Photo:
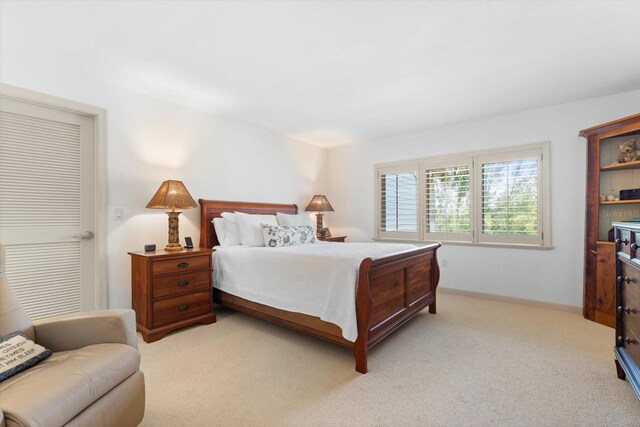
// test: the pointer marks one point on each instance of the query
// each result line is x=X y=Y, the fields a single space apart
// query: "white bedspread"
x=316 y=279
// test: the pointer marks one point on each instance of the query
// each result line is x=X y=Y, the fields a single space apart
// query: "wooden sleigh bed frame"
x=390 y=290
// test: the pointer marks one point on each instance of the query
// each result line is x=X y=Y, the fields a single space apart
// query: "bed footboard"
x=391 y=290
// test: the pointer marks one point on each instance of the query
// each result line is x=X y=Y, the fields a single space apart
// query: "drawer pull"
x=634 y=246
x=183 y=307
x=624 y=242
x=625 y=340
x=183 y=264
x=183 y=283
x=624 y=279
x=625 y=309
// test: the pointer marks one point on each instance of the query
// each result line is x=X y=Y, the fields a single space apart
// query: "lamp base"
x=174 y=239
x=319 y=225
x=173 y=247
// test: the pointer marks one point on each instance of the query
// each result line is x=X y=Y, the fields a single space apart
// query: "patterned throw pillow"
x=287 y=235
x=18 y=353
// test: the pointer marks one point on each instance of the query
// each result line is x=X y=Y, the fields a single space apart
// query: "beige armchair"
x=93 y=377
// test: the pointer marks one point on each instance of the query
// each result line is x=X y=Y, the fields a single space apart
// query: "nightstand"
x=333 y=239
x=171 y=290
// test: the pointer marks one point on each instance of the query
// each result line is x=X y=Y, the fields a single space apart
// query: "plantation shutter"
x=448 y=200
x=511 y=207
x=498 y=196
x=398 y=203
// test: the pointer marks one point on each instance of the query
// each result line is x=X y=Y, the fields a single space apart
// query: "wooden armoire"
x=605 y=180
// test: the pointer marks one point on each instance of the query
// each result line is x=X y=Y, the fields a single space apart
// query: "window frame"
x=541 y=240
x=396 y=169
x=440 y=164
x=534 y=240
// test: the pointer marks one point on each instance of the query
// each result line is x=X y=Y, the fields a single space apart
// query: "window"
x=491 y=197
x=398 y=202
x=448 y=201
x=510 y=202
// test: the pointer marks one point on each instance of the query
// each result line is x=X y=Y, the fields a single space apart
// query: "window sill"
x=447 y=243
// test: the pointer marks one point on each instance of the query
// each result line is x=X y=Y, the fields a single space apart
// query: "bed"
x=390 y=289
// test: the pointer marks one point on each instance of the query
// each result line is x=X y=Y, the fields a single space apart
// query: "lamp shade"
x=319 y=203
x=172 y=195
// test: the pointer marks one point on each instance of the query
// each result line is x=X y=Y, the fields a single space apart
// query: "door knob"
x=85 y=235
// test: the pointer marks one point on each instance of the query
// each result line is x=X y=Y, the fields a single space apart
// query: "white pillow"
x=249 y=229
x=218 y=225
x=231 y=235
x=299 y=219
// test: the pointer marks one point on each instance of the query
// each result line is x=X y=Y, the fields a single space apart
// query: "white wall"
x=553 y=275
x=149 y=141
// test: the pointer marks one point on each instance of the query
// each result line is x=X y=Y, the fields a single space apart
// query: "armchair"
x=91 y=379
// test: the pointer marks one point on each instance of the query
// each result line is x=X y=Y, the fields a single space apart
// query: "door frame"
x=100 y=176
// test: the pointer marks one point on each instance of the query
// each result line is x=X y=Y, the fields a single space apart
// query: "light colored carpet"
x=475 y=363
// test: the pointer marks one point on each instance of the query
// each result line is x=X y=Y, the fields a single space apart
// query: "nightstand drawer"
x=169 y=285
x=179 y=265
x=181 y=308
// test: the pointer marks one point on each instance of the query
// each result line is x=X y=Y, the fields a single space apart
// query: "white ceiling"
x=332 y=73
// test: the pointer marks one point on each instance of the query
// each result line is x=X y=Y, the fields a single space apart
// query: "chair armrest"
x=73 y=331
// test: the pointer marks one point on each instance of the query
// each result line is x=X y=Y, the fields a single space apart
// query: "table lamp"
x=319 y=204
x=172 y=195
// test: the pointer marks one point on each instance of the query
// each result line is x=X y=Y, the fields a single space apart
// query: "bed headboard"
x=210 y=209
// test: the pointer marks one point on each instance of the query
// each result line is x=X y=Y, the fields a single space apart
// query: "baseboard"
x=512 y=300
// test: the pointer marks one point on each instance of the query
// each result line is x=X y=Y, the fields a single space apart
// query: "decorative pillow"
x=231 y=234
x=249 y=227
x=299 y=219
x=287 y=235
x=18 y=353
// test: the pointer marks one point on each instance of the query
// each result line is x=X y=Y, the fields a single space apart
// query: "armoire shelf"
x=621 y=166
x=620 y=202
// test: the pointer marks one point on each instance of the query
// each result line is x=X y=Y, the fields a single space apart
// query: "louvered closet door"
x=47 y=207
